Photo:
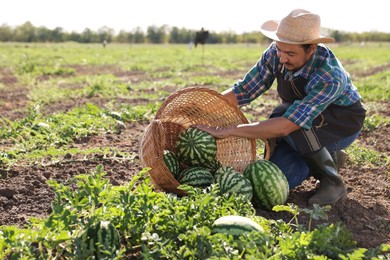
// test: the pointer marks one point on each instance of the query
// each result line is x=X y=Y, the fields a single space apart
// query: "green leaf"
x=318 y=212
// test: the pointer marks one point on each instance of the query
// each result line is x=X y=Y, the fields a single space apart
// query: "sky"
x=218 y=16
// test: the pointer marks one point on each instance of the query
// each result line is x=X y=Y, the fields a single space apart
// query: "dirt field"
x=25 y=193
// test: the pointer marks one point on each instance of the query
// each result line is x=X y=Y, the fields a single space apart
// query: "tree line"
x=155 y=35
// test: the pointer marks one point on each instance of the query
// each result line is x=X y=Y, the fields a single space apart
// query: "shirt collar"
x=308 y=68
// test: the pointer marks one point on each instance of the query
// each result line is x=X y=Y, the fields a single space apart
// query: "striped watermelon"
x=235 y=225
x=270 y=186
x=195 y=147
x=196 y=176
x=224 y=169
x=172 y=163
x=101 y=240
x=213 y=166
x=234 y=182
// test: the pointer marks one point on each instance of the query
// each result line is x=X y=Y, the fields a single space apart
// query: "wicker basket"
x=194 y=105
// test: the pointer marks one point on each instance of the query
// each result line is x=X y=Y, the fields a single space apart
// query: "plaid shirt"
x=328 y=83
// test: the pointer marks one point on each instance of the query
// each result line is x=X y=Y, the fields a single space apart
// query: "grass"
x=375 y=87
x=36 y=137
x=162 y=65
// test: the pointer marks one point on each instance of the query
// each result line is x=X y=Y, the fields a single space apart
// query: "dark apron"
x=333 y=124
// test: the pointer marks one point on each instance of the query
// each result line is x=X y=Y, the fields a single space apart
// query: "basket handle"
x=267 y=149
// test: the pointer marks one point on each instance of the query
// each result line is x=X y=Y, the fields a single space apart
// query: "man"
x=320 y=114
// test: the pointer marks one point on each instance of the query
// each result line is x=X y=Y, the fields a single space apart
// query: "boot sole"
x=342 y=197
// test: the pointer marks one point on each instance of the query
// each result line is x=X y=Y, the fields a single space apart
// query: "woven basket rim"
x=212 y=92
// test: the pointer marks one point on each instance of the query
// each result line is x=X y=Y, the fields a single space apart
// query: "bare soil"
x=24 y=192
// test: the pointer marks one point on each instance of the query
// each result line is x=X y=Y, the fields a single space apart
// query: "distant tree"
x=25 y=33
x=186 y=35
x=139 y=36
x=214 y=38
x=155 y=34
x=253 y=37
x=88 y=36
x=336 y=35
x=57 y=35
x=182 y=35
x=229 y=37
x=122 y=37
x=42 y=34
x=375 y=36
x=105 y=34
x=163 y=34
x=175 y=36
x=74 y=36
x=6 y=33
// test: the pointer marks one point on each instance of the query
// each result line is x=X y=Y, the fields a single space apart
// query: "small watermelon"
x=235 y=225
x=235 y=183
x=270 y=185
x=101 y=240
x=196 y=176
x=195 y=147
x=213 y=166
x=172 y=163
x=224 y=169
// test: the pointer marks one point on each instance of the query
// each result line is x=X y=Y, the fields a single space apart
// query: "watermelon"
x=172 y=163
x=224 y=169
x=270 y=185
x=196 y=176
x=195 y=147
x=235 y=183
x=100 y=240
x=235 y=225
x=213 y=166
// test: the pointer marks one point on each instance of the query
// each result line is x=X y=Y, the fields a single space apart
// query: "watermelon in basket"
x=186 y=107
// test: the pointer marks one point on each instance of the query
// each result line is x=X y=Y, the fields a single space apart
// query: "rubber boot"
x=324 y=169
x=339 y=157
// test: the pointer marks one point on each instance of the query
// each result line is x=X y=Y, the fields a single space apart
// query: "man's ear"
x=313 y=48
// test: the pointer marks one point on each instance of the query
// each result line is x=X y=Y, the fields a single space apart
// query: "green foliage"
x=375 y=87
x=330 y=241
x=317 y=212
x=158 y=225
x=374 y=122
x=359 y=155
x=37 y=65
x=35 y=136
x=27 y=32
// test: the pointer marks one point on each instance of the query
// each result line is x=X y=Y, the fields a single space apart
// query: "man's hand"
x=217 y=132
x=270 y=128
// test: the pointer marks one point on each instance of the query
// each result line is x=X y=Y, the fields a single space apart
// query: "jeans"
x=293 y=165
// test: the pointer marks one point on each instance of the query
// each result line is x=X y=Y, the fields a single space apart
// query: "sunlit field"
x=73 y=115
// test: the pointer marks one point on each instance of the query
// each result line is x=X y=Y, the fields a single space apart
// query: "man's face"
x=294 y=56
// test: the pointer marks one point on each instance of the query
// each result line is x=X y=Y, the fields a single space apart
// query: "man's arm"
x=270 y=128
x=229 y=94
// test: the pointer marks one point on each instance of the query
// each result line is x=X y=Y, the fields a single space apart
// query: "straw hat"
x=299 y=27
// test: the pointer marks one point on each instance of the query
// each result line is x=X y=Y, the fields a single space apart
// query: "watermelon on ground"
x=196 y=176
x=172 y=163
x=100 y=240
x=195 y=147
x=224 y=169
x=270 y=185
x=213 y=166
x=233 y=182
x=235 y=225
